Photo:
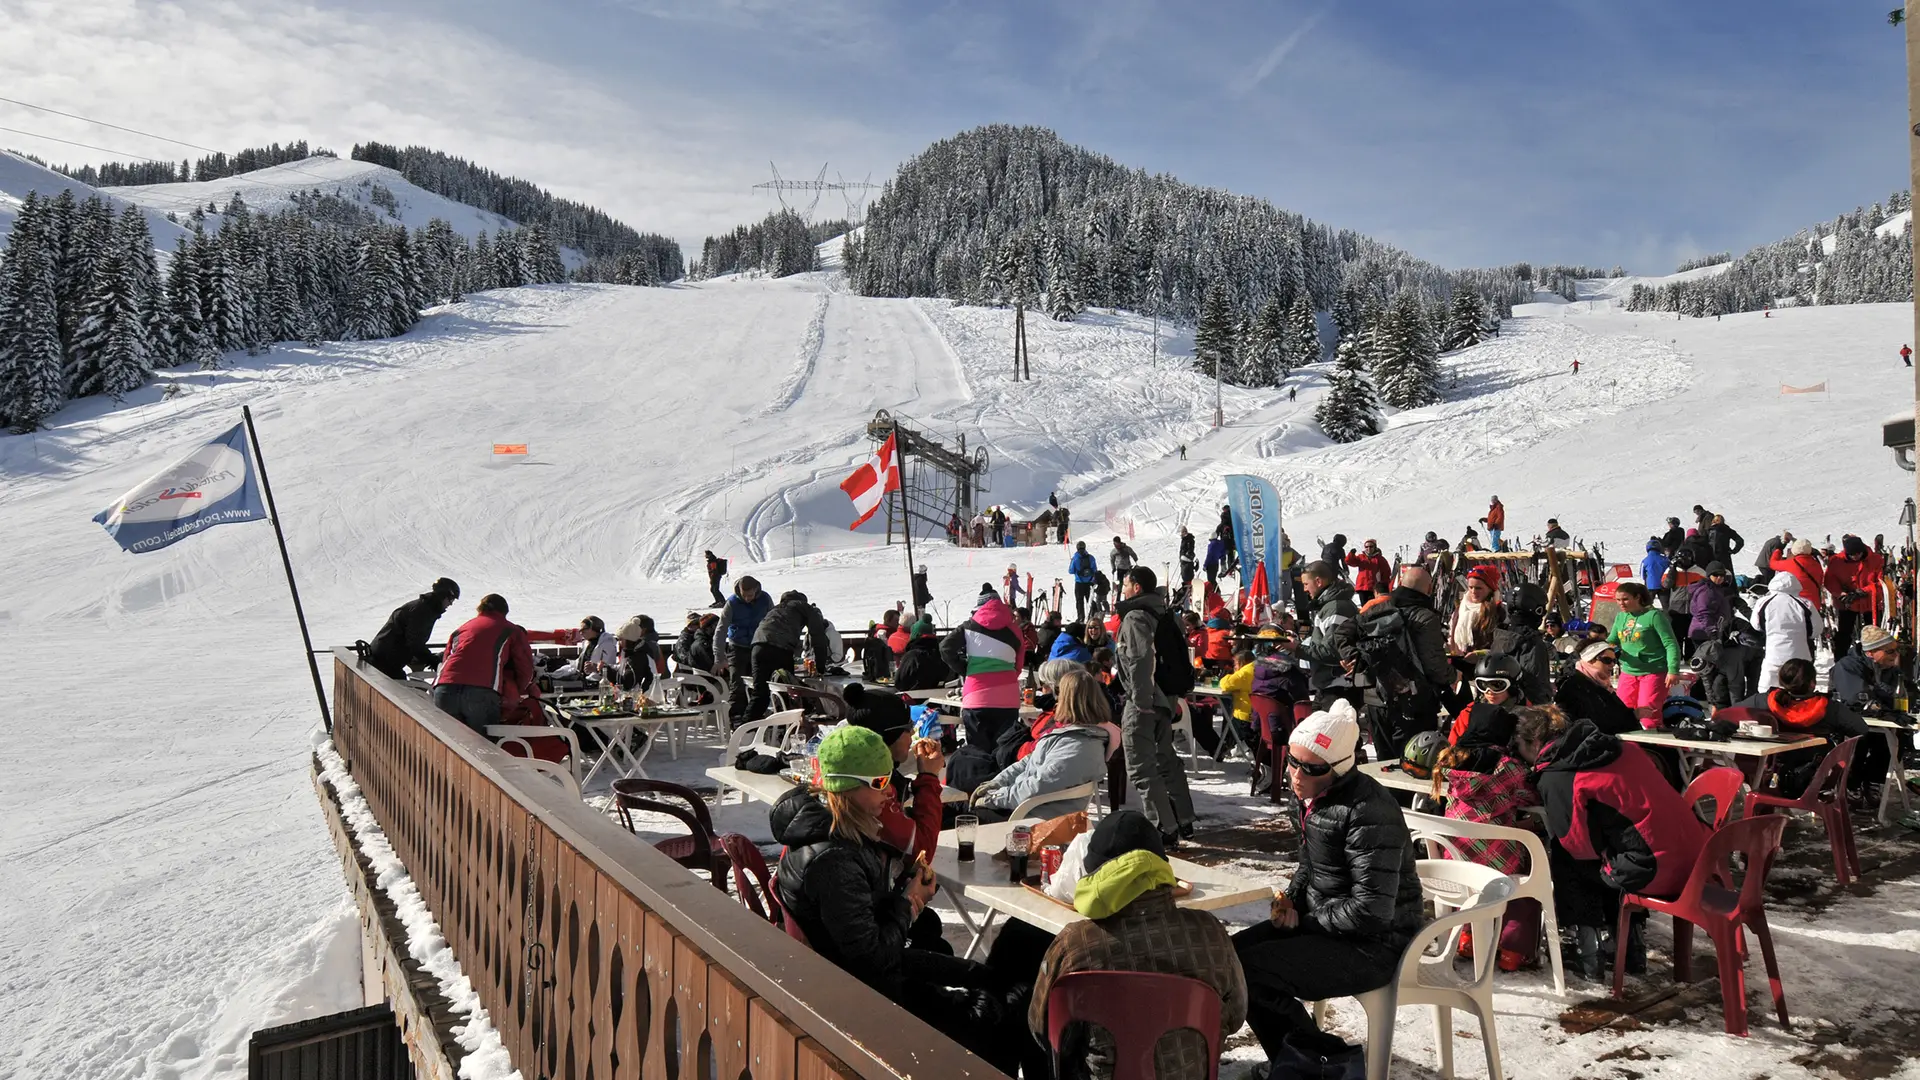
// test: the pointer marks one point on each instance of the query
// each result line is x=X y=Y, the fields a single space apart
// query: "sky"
x=1630 y=132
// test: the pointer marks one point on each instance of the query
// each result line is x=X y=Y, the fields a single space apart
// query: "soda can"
x=1050 y=862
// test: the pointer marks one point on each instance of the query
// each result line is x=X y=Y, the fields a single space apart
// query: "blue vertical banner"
x=1256 y=530
x=214 y=485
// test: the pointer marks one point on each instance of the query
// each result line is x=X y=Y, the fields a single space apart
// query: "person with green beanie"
x=921 y=666
x=856 y=898
x=1133 y=925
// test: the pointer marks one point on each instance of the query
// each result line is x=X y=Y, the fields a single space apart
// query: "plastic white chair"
x=719 y=708
x=756 y=736
x=1426 y=975
x=1082 y=792
x=1537 y=884
x=518 y=734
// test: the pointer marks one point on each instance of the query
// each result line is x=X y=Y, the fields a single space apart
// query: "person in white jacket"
x=1787 y=622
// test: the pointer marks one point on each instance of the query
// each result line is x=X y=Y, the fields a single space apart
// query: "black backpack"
x=1172 y=666
x=1386 y=651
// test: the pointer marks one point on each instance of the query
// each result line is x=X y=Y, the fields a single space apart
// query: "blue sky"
x=1632 y=132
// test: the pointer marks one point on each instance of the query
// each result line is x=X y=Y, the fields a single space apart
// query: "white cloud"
x=230 y=75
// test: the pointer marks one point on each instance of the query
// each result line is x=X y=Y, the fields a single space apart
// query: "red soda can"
x=1050 y=862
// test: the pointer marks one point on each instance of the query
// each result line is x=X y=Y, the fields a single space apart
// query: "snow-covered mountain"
x=375 y=187
x=18 y=177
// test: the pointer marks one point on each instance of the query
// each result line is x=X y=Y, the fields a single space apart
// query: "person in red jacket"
x=1372 y=576
x=1799 y=560
x=1853 y=577
x=1496 y=519
x=1617 y=827
x=487 y=669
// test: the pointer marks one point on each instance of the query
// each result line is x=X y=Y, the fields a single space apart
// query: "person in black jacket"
x=1588 y=694
x=922 y=596
x=402 y=640
x=1868 y=681
x=921 y=666
x=716 y=569
x=1724 y=541
x=1399 y=708
x=1521 y=639
x=1332 y=651
x=1671 y=540
x=857 y=898
x=1354 y=902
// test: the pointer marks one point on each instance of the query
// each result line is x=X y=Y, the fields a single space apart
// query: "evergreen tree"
x=1303 y=339
x=1213 y=337
x=1268 y=350
x=32 y=369
x=1347 y=414
x=1466 y=321
x=1403 y=365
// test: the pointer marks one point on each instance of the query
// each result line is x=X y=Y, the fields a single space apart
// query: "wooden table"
x=984 y=881
x=769 y=788
x=1896 y=771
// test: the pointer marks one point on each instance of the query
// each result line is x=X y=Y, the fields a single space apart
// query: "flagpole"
x=906 y=511
x=313 y=667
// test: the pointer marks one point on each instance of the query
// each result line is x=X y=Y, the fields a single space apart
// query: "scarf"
x=1799 y=715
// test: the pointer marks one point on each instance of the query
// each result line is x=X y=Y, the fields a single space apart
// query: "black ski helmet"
x=1496 y=665
x=1529 y=597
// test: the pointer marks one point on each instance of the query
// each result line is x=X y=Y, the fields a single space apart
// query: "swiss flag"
x=876 y=476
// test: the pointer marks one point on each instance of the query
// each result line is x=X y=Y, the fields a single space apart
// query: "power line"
x=88 y=146
x=103 y=123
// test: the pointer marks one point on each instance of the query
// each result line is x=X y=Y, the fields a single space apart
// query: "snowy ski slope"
x=18 y=177
x=168 y=885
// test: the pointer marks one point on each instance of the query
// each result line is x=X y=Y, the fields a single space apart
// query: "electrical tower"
x=853 y=192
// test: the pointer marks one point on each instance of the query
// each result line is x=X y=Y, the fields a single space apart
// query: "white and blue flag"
x=214 y=485
x=1256 y=530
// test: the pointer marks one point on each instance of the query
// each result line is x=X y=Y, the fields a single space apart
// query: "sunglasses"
x=1492 y=686
x=1321 y=768
x=877 y=783
x=1609 y=660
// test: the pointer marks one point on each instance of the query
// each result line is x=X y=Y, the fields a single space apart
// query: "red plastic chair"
x=1136 y=1008
x=1714 y=902
x=1826 y=798
x=1722 y=785
x=752 y=881
x=701 y=849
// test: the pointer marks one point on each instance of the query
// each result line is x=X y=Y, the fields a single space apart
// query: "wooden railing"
x=597 y=957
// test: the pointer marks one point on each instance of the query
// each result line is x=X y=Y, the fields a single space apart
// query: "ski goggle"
x=877 y=783
x=1312 y=768
x=1492 y=686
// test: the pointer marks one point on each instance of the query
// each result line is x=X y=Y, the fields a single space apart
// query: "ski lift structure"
x=937 y=482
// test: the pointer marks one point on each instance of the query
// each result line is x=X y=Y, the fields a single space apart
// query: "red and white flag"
x=869 y=484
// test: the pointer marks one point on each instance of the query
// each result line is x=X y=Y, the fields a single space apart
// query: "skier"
x=1082 y=567
x=1188 y=564
x=1557 y=536
x=1121 y=558
x=716 y=569
x=922 y=596
x=1906 y=355
x=1053 y=499
x=1576 y=367
x=1496 y=521
x=1183 y=451
x=1060 y=523
x=1232 y=563
x=1291 y=391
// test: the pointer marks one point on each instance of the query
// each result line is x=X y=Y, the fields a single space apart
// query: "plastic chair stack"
x=1714 y=902
x=1135 y=1008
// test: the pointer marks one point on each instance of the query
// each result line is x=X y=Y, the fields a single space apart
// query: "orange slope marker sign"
x=509 y=449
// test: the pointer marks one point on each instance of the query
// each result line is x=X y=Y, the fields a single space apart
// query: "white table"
x=984 y=881
x=1896 y=772
x=769 y=788
x=1759 y=751
x=613 y=732
x=1394 y=778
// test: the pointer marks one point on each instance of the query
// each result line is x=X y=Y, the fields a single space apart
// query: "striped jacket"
x=489 y=651
x=990 y=653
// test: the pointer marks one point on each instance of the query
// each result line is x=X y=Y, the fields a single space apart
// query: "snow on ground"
x=18 y=177
x=1616 y=290
x=168 y=885
x=273 y=188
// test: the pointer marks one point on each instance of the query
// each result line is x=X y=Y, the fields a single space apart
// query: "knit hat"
x=987 y=592
x=1874 y=639
x=1716 y=567
x=1594 y=649
x=1119 y=832
x=632 y=630
x=849 y=753
x=878 y=711
x=922 y=626
x=1486 y=575
x=1802 y=546
x=1331 y=735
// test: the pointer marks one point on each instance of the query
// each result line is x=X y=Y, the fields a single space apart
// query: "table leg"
x=980 y=937
x=960 y=909
x=605 y=758
x=1896 y=779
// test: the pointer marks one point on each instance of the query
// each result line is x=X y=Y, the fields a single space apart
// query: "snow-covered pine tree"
x=1406 y=377
x=480 y=268
x=116 y=314
x=84 y=252
x=1268 y=350
x=1466 y=320
x=1348 y=414
x=1349 y=313
x=1213 y=336
x=32 y=372
x=548 y=269
x=1303 y=340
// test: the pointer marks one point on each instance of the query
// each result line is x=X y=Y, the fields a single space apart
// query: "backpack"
x=1386 y=651
x=1172 y=666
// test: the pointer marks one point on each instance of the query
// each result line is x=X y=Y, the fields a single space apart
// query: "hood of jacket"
x=1119 y=882
x=1404 y=598
x=993 y=614
x=799 y=819
x=1784 y=584
x=1581 y=746
x=1107 y=732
